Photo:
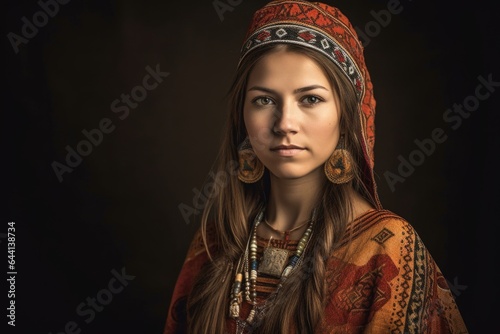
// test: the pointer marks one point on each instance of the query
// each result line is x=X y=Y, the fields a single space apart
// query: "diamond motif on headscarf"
x=307 y=36
x=281 y=32
x=325 y=44
x=357 y=83
x=339 y=54
x=263 y=36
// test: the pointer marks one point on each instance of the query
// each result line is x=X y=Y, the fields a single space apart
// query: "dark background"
x=119 y=207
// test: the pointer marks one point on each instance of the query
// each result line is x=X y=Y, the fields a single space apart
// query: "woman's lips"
x=287 y=151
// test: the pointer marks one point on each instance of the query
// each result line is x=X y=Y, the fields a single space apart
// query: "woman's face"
x=291 y=114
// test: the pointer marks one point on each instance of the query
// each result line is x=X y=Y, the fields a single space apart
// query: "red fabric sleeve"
x=177 y=314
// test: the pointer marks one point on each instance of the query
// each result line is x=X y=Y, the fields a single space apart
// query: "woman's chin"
x=292 y=174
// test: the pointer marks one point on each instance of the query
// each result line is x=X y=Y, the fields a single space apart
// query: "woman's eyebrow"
x=308 y=88
x=296 y=91
x=264 y=89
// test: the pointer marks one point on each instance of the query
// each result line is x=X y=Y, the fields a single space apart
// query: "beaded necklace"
x=248 y=267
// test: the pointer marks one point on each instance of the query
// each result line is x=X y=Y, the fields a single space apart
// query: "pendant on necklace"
x=273 y=261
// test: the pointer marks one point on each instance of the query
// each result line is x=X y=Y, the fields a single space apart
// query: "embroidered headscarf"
x=325 y=29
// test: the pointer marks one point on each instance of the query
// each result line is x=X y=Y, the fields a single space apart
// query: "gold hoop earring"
x=250 y=168
x=339 y=167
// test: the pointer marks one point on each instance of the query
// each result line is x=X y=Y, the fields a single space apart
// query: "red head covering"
x=325 y=29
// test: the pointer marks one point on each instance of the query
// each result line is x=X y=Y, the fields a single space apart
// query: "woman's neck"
x=291 y=201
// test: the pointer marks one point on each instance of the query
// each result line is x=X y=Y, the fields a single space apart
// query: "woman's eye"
x=263 y=101
x=311 y=99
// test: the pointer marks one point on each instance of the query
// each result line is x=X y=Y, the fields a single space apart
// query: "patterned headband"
x=292 y=33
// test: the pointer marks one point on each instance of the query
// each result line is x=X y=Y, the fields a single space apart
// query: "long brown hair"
x=232 y=206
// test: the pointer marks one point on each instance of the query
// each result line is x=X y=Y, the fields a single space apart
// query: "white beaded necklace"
x=275 y=262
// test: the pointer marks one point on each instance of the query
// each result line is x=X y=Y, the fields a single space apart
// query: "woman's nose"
x=286 y=120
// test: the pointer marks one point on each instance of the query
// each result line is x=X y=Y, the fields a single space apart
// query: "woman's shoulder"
x=379 y=219
x=381 y=228
x=199 y=243
x=379 y=215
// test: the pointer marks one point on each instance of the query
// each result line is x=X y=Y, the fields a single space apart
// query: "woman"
x=296 y=240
